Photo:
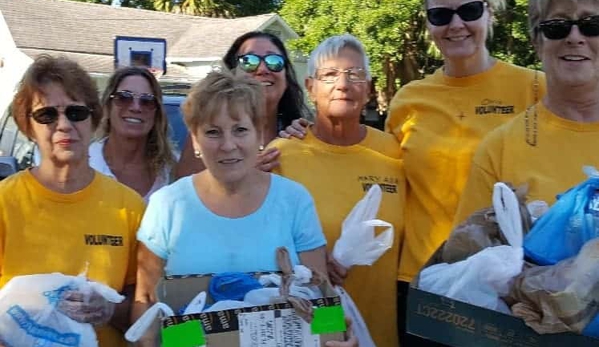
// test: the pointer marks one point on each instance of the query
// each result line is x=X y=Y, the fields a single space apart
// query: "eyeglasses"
x=468 y=12
x=251 y=62
x=147 y=102
x=558 y=29
x=331 y=75
x=50 y=114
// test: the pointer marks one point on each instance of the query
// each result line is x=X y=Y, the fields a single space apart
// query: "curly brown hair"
x=159 y=149
x=45 y=69
x=241 y=94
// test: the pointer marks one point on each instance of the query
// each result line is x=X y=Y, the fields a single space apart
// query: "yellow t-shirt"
x=551 y=167
x=338 y=177
x=42 y=231
x=439 y=121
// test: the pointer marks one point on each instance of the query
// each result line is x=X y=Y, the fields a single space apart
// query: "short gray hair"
x=330 y=48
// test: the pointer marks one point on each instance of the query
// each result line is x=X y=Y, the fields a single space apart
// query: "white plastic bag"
x=359 y=328
x=143 y=323
x=485 y=277
x=28 y=314
x=358 y=244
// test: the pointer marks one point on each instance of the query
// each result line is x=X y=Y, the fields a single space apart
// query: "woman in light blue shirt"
x=232 y=216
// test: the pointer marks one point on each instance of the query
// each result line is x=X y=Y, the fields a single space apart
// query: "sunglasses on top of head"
x=251 y=62
x=50 y=114
x=558 y=29
x=468 y=12
x=125 y=98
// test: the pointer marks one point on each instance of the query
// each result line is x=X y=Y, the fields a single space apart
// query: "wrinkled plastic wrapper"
x=481 y=231
x=485 y=277
x=562 y=297
x=572 y=221
x=29 y=314
x=358 y=244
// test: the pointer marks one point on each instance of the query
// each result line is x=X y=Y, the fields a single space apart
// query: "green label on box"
x=188 y=334
x=330 y=319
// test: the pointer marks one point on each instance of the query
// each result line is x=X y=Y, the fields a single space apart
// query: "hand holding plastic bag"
x=86 y=307
x=486 y=276
x=29 y=315
x=358 y=244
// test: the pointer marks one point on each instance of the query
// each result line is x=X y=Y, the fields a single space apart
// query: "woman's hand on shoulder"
x=268 y=159
x=297 y=129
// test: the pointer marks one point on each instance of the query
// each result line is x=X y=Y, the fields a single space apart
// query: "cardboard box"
x=459 y=324
x=222 y=328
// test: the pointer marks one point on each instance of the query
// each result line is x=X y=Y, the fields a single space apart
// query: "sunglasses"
x=50 y=114
x=251 y=62
x=558 y=29
x=468 y=12
x=147 y=102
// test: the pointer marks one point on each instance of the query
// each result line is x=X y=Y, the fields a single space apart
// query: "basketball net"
x=156 y=72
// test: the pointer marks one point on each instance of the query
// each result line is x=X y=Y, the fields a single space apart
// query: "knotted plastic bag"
x=482 y=279
x=29 y=314
x=572 y=221
x=358 y=244
x=481 y=231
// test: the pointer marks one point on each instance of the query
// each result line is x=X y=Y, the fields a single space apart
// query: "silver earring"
x=261 y=148
x=197 y=154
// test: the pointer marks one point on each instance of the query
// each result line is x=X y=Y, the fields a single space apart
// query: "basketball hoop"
x=144 y=52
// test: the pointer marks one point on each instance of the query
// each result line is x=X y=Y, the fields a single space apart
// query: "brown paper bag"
x=559 y=298
x=481 y=230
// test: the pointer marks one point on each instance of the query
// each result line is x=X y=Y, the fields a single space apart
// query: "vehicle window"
x=14 y=143
x=177 y=125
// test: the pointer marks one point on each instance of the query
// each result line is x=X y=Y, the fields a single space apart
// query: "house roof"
x=85 y=32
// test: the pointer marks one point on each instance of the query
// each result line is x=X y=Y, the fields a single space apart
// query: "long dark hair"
x=292 y=104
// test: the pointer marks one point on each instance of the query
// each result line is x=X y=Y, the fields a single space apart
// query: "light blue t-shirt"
x=180 y=229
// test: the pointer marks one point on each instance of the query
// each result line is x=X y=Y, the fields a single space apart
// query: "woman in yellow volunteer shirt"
x=547 y=145
x=62 y=216
x=440 y=120
x=338 y=160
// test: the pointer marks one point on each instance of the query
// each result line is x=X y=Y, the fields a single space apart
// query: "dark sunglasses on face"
x=558 y=29
x=49 y=114
x=125 y=99
x=251 y=62
x=468 y=12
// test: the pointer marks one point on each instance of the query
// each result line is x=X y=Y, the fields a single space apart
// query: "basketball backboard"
x=140 y=51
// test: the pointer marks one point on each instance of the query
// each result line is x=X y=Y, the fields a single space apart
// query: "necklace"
x=532 y=139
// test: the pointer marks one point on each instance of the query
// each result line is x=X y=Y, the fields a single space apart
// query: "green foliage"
x=394 y=35
x=511 y=40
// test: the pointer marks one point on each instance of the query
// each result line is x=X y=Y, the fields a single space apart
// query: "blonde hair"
x=240 y=94
x=159 y=150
